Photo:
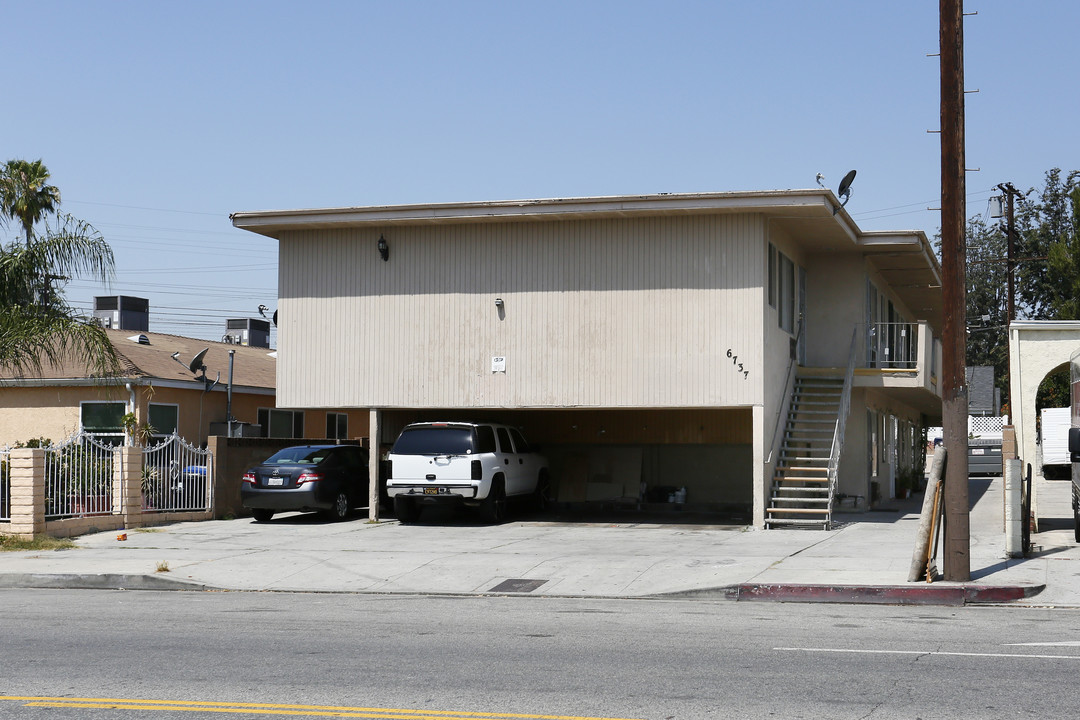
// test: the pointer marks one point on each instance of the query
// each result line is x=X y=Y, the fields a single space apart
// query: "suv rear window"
x=435 y=441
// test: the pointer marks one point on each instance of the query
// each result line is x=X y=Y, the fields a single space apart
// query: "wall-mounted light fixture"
x=498 y=302
x=384 y=249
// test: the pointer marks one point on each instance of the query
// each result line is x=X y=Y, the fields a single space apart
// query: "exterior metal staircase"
x=804 y=485
x=802 y=493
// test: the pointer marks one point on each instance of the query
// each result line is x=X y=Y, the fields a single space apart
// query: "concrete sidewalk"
x=866 y=559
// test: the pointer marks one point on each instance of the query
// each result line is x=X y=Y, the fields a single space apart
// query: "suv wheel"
x=405 y=510
x=542 y=494
x=495 y=503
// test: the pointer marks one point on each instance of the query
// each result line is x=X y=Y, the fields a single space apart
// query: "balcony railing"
x=892 y=346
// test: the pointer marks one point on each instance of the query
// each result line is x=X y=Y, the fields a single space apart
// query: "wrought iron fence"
x=892 y=345
x=79 y=478
x=176 y=477
x=5 y=484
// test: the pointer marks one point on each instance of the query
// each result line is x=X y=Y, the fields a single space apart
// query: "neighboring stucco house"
x=163 y=392
x=647 y=343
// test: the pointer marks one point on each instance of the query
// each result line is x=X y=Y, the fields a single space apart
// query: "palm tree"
x=36 y=323
x=24 y=194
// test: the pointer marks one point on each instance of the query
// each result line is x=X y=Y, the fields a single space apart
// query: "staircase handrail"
x=841 y=424
x=784 y=394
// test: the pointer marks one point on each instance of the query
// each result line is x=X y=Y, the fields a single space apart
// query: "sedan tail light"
x=249 y=478
x=308 y=477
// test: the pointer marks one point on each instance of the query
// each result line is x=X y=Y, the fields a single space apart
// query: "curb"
x=884 y=594
x=945 y=595
x=88 y=581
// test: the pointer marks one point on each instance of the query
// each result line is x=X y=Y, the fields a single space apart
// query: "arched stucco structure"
x=1036 y=347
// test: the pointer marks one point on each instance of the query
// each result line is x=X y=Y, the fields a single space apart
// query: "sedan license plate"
x=275 y=481
x=431 y=491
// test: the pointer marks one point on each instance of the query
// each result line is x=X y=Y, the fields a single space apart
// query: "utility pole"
x=957 y=546
x=1010 y=231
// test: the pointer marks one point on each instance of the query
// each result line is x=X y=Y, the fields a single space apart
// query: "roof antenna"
x=845 y=190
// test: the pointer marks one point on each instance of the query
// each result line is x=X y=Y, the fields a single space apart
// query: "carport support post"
x=761 y=483
x=373 y=464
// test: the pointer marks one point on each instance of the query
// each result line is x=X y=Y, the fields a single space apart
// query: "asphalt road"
x=212 y=655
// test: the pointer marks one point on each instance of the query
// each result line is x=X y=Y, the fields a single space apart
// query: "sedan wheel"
x=340 y=511
x=262 y=515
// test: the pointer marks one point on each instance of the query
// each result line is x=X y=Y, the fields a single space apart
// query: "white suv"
x=474 y=464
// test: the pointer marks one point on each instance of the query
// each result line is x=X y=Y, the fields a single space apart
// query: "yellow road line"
x=276 y=709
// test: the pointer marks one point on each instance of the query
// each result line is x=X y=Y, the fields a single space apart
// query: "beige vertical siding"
x=600 y=313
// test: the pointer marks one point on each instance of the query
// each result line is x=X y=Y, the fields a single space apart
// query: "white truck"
x=479 y=465
x=1054 y=424
x=1074 y=440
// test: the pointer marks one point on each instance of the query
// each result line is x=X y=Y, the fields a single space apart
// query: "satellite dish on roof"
x=275 y=318
x=844 y=192
x=196 y=363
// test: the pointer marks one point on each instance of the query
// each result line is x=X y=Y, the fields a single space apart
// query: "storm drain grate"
x=517 y=585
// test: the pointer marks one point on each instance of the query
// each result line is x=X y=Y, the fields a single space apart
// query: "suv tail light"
x=249 y=478
x=308 y=477
x=477 y=471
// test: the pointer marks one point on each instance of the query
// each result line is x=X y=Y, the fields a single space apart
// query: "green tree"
x=1049 y=227
x=36 y=323
x=25 y=194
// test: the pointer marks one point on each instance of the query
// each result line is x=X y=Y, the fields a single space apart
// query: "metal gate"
x=5 y=484
x=176 y=477
x=79 y=478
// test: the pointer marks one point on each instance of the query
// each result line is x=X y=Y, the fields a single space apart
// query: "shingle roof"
x=252 y=366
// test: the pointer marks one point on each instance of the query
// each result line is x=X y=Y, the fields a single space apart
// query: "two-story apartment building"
x=708 y=342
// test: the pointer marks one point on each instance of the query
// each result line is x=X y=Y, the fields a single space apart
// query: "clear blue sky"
x=159 y=119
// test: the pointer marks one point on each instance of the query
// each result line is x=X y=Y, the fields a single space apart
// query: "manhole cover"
x=518 y=585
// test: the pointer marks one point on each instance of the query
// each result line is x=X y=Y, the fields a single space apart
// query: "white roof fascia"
x=532 y=209
x=1044 y=325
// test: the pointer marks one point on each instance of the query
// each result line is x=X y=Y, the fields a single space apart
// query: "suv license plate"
x=431 y=491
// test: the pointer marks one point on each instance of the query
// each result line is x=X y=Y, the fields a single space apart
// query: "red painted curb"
x=926 y=594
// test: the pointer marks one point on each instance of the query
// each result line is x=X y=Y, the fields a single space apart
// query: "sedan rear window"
x=297 y=456
x=435 y=441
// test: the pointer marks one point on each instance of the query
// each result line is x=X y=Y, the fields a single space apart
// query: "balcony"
x=904 y=360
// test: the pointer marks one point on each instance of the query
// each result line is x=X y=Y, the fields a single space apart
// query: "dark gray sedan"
x=331 y=479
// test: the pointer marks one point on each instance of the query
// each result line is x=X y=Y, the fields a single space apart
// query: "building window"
x=104 y=420
x=281 y=423
x=337 y=426
x=163 y=419
x=787 y=294
x=772 y=275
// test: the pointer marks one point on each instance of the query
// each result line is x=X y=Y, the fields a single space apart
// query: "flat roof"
x=903 y=257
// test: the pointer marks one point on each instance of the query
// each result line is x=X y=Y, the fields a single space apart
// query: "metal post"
x=228 y=397
x=956 y=551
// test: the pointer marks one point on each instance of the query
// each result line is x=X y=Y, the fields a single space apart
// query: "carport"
x=628 y=458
